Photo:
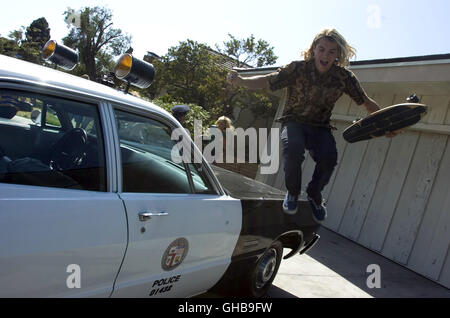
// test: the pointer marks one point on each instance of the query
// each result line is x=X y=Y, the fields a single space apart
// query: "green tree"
x=96 y=39
x=38 y=33
x=190 y=73
x=193 y=73
x=17 y=35
x=248 y=51
x=27 y=43
x=9 y=47
x=256 y=53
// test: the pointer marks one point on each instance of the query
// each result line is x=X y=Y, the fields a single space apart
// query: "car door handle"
x=145 y=216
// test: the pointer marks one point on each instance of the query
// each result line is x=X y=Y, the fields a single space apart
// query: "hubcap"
x=266 y=268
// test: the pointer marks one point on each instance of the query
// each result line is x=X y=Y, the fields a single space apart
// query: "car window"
x=51 y=142
x=201 y=183
x=19 y=110
x=52 y=118
x=147 y=166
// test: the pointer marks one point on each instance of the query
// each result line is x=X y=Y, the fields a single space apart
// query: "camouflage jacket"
x=312 y=96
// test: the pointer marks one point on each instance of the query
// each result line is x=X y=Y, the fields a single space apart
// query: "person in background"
x=180 y=112
x=223 y=123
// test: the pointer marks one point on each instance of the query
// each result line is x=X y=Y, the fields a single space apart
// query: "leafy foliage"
x=96 y=40
x=196 y=113
x=9 y=47
x=189 y=73
x=192 y=73
x=249 y=51
x=27 y=43
x=38 y=33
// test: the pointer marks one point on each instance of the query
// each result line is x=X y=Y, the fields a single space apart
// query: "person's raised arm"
x=370 y=105
x=254 y=82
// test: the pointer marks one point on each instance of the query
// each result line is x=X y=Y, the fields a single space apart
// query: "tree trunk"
x=89 y=62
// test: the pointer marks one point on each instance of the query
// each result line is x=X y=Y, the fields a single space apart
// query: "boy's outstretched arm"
x=254 y=82
x=370 y=105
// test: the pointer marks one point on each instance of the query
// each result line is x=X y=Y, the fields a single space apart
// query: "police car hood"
x=241 y=187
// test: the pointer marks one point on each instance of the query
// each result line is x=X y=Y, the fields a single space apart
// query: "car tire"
x=264 y=272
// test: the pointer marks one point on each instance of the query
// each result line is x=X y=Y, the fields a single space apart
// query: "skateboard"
x=388 y=119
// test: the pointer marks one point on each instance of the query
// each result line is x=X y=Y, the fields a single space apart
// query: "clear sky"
x=376 y=28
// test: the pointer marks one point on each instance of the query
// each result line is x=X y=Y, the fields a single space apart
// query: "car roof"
x=17 y=70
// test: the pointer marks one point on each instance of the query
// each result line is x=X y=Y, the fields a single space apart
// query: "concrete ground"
x=337 y=267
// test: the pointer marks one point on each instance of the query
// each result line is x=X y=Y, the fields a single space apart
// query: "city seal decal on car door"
x=174 y=254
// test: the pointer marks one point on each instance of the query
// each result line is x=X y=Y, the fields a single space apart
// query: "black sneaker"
x=319 y=211
x=290 y=203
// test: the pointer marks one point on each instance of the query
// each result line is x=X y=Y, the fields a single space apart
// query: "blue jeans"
x=320 y=143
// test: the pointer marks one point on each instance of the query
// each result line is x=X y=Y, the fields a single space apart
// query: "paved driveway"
x=337 y=267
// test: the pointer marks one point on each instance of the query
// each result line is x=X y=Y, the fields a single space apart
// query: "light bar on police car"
x=60 y=55
x=134 y=71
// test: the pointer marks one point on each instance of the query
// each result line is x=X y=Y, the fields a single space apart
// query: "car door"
x=63 y=232
x=182 y=231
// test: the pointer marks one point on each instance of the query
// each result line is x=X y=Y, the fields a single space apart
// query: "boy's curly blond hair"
x=345 y=50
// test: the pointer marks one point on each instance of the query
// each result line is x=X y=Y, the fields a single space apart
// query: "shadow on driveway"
x=338 y=268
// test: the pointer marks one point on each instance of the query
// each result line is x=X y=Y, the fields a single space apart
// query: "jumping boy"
x=313 y=87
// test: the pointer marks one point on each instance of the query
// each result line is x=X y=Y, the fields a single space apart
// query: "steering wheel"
x=69 y=151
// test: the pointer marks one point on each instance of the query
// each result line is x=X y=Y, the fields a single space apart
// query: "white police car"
x=92 y=205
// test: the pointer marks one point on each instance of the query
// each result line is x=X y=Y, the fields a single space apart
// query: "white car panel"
x=44 y=230
x=211 y=225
